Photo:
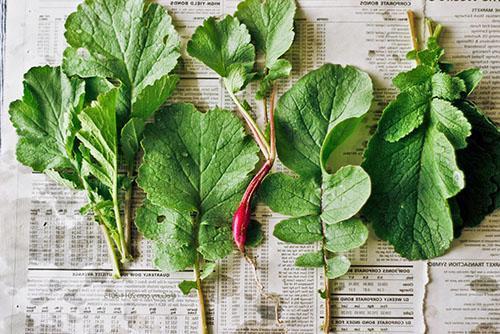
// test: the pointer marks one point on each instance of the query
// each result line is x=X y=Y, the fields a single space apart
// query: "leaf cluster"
x=434 y=160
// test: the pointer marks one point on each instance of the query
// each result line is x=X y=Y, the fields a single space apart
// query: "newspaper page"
x=54 y=270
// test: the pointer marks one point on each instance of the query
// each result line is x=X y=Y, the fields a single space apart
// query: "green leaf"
x=480 y=161
x=415 y=77
x=98 y=134
x=198 y=165
x=412 y=179
x=447 y=87
x=132 y=41
x=225 y=47
x=291 y=196
x=310 y=260
x=312 y=108
x=418 y=183
x=300 y=230
x=187 y=286
x=471 y=77
x=346 y=235
x=336 y=137
x=406 y=113
x=337 y=266
x=131 y=135
x=451 y=121
x=281 y=69
x=208 y=269
x=270 y=23
x=313 y=118
x=46 y=122
x=344 y=194
x=174 y=247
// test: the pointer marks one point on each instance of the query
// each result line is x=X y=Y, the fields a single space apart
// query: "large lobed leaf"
x=322 y=206
x=195 y=170
x=412 y=160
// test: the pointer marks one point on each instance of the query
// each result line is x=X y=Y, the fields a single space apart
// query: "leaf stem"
x=256 y=132
x=111 y=251
x=437 y=31
x=128 y=209
x=430 y=28
x=201 y=301
x=326 y=324
x=413 y=32
x=119 y=226
x=272 y=126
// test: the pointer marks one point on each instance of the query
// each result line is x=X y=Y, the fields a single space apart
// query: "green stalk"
x=326 y=324
x=413 y=32
x=256 y=132
x=118 y=218
x=128 y=209
x=201 y=300
x=111 y=251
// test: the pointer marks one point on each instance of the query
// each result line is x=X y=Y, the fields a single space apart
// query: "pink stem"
x=241 y=218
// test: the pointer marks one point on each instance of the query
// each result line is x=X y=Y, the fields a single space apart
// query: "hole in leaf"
x=160 y=219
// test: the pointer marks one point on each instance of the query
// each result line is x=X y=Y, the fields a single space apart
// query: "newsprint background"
x=54 y=271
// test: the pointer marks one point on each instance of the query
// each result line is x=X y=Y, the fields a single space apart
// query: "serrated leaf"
x=416 y=178
x=225 y=47
x=405 y=113
x=307 y=112
x=198 y=165
x=45 y=120
x=451 y=121
x=336 y=137
x=447 y=87
x=337 y=266
x=270 y=23
x=415 y=77
x=310 y=260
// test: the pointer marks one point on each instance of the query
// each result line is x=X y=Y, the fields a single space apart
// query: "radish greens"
x=311 y=120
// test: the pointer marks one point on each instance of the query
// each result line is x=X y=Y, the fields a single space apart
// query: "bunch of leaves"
x=259 y=29
x=314 y=118
x=135 y=44
x=434 y=160
x=195 y=169
x=120 y=56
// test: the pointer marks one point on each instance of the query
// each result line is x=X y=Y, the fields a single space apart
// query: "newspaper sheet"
x=54 y=270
